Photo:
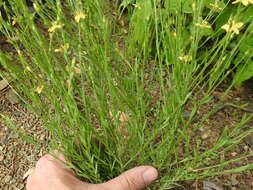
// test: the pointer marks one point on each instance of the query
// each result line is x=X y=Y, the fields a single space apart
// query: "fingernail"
x=150 y=175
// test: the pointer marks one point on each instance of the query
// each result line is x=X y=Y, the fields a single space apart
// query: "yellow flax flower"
x=14 y=21
x=136 y=5
x=244 y=2
x=232 y=26
x=19 y=52
x=215 y=6
x=62 y=48
x=185 y=58
x=39 y=89
x=27 y=69
x=204 y=25
x=55 y=26
x=80 y=15
x=35 y=6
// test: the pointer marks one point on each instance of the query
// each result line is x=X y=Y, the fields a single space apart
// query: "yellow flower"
x=28 y=69
x=80 y=15
x=35 y=6
x=55 y=26
x=215 y=6
x=136 y=5
x=244 y=2
x=39 y=89
x=19 y=52
x=204 y=25
x=14 y=21
x=185 y=58
x=62 y=48
x=232 y=26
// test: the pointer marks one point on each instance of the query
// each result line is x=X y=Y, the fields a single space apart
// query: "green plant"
x=112 y=101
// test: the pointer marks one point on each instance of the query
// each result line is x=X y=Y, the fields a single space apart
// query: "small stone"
x=202 y=129
x=1 y=158
x=246 y=148
x=204 y=136
x=234 y=181
x=207 y=185
x=234 y=154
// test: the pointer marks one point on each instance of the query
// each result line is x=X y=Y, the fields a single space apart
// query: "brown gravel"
x=16 y=155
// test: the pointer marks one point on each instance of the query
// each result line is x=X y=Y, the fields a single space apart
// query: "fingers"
x=48 y=161
x=133 y=179
x=60 y=156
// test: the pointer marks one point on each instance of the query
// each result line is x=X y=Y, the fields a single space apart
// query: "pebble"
x=204 y=136
x=234 y=181
x=207 y=185
x=233 y=154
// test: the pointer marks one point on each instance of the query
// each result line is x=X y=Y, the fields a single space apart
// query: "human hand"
x=51 y=174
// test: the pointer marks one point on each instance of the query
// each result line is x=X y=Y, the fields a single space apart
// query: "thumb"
x=134 y=179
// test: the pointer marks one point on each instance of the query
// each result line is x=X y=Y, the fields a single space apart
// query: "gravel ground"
x=16 y=155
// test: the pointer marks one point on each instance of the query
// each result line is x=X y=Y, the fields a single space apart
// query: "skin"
x=51 y=174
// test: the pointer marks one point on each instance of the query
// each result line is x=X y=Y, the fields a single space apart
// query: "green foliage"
x=112 y=101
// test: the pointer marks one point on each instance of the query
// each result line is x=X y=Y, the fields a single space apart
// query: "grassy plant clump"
x=111 y=80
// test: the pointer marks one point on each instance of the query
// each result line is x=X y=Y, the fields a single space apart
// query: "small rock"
x=233 y=154
x=234 y=181
x=246 y=148
x=1 y=158
x=207 y=185
x=205 y=136
x=12 y=97
x=202 y=129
